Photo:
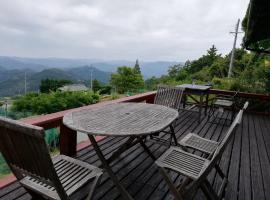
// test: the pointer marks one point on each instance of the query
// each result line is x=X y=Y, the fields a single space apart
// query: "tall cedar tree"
x=137 y=67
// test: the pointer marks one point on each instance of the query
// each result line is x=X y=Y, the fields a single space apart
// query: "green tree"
x=96 y=85
x=219 y=68
x=48 y=85
x=174 y=70
x=151 y=83
x=212 y=54
x=105 y=89
x=127 y=79
x=137 y=67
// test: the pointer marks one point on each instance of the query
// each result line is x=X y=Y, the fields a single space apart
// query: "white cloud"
x=119 y=29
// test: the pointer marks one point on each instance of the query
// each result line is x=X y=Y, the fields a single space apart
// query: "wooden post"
x=150 y=99
x=68 y=141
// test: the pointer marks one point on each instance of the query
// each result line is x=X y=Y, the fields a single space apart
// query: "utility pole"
x=25 y=86
x=233 y=49
x=91 y=78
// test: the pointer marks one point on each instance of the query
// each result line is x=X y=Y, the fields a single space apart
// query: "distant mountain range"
x=13 y=69
x=148 y=69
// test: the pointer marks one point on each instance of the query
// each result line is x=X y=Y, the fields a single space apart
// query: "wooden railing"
x=68 y=138
x=242 y=94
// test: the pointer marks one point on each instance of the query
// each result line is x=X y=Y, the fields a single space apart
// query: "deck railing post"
x=150 y=99
x=68 y=141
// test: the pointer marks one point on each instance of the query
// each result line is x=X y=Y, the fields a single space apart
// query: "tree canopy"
x=48 y=85
x=127 y=79
x=96 y=85
x=101 y=88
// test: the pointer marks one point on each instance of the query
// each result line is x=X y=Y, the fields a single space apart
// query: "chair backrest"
x=224 y=143
x=228 y=97
x=169 y=96
x=237 y=121
x=25 y=151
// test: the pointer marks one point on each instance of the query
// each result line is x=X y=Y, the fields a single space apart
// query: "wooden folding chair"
x=25 y=151
x=222 y=102
x=195 y=168
x=196 y=142
x=171 y=97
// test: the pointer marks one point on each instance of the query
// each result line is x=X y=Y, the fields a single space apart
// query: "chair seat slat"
x=183 y=162
x=194 y=141
x=71 y=181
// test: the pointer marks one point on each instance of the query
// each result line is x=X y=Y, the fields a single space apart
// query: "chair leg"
x=219 y=171
x=173 y=189
x=147 y=149
x=93 y=187
x=208 y=190
x=211 y=112
x=173 y=135
x=222 y=187
x=182 y=186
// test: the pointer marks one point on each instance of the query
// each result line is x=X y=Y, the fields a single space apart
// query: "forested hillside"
x=251 y=72
x=12 y=82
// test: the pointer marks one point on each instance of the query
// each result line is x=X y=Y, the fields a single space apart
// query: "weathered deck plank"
x=247 y=161
x=256 y=173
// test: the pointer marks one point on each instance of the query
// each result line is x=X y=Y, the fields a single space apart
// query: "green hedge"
x=42 y=103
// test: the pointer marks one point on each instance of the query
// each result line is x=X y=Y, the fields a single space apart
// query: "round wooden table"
x=132 y=120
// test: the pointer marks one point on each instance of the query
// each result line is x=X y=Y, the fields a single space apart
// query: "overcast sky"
x=118 y=29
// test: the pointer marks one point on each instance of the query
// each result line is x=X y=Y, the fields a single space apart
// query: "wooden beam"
x=68 y=141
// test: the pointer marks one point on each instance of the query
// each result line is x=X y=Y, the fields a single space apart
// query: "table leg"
x=107 y=167
x=128 y=144
x=206 y=101
x=146 y=148
x=185 y=100
x=200 y=107
x=173 y=135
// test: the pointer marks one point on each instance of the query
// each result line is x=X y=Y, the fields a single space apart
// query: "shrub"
x=53 y=102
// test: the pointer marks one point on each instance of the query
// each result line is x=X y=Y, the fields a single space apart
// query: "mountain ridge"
x=148 y=68
x=12 y=81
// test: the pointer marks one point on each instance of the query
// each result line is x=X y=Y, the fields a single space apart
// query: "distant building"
x=74 y=87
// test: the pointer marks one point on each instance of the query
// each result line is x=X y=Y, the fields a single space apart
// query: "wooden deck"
x=246 y=161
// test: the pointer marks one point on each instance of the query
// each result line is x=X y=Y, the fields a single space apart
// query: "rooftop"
x=74 y=87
